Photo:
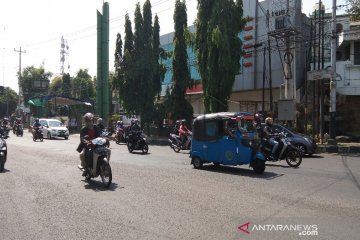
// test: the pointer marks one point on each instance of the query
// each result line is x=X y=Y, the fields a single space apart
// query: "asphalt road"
x=161 y=196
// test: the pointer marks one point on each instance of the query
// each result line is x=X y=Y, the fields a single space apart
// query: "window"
x=356 y=53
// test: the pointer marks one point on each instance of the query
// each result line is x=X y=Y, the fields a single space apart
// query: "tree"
x=181 y=108
x=34 y=82
x=66 y=85
x=83 y=86
x=218 y=49
x=8 y=102
x=56 y=86
x=124 y=69
x=354 y=10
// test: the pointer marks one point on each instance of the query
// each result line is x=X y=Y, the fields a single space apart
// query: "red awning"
x=195 y=90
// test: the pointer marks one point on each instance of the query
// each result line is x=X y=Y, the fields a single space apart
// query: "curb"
x=337 y=149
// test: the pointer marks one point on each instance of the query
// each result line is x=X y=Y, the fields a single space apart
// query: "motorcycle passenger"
x=183 y=132
x=270 y=136
x=90 y=131
x=100 y=124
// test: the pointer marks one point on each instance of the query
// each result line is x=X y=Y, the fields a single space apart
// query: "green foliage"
x=83 y=87
x=30 y=74
x=354 y=10
x=66 y=85
x=180 y=107
x=218 y=49
x=56 y=86
x=8 y=102
x=138 y=73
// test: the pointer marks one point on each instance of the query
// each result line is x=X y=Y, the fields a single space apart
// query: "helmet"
x=177 y=122
x=36 y=119
x=118 y=122
x=269 y=120
x=258 y=116
x=88 y=117
x=99 y=120
x=183 y=121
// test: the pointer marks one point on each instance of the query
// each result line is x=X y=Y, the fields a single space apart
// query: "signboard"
x=286 y=109
x=319 y=75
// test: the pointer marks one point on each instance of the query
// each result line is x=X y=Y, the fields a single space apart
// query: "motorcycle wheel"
x=293 y=158
x=41 y=139
x=259 y=167
x=2 y=164
x=105 y=173
x=34 y=139
x=145 y=148
x=130 y=147
x=197 y=162
x=176 y=148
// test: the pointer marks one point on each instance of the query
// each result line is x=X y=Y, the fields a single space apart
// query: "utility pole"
x=270 y=79
x=20 y=100
x=332 y=109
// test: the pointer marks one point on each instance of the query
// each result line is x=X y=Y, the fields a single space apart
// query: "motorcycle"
x=120 y=136
x=106 y=134
x=19 y=130
x=285 y=151
x=176 y=144
x=3 y=151
x=137 y=141
x=97 y=158
x=6 y=130
x=38 y=134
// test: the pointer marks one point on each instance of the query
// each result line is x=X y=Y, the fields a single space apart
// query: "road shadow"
x=313 y=156
x=98 y=186
x=277 y=165
x=141 y=153
x=240 y=172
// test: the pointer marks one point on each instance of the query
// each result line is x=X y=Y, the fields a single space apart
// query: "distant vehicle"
x=54 y=128
x=305 y=144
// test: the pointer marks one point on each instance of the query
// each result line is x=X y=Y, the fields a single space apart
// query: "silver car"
x=54 y=128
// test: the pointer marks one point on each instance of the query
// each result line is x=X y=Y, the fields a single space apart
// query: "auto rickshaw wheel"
x=197 y=162
x=259 y=167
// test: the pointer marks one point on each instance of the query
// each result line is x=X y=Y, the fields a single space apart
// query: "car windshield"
x=55 y=124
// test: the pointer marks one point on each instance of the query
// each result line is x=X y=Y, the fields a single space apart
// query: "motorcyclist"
x=183 y=132
x=119 y=125
x=135 y=127
x=268 y=129
x=36 y=125
x=17 y=123
x=90 y=131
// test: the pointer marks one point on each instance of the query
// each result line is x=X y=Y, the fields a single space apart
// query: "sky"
x=38 y=25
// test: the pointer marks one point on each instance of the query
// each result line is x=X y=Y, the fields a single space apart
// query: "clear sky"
x=38 y=25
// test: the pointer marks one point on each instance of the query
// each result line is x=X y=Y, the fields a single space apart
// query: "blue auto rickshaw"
x=223 y=138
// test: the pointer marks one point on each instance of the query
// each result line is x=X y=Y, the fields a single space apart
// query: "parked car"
x=305 y=144
x=54 y=128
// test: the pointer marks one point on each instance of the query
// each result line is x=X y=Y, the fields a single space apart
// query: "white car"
x=54 y=128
